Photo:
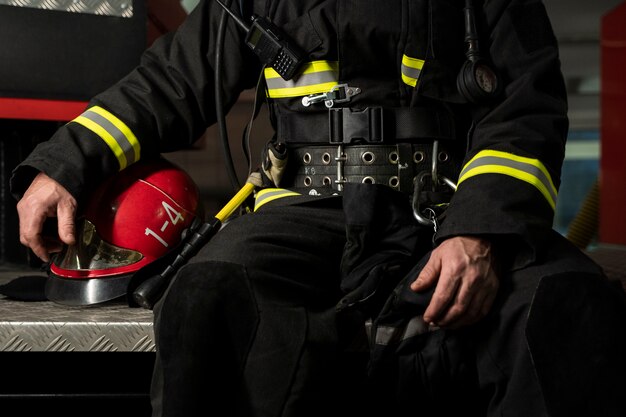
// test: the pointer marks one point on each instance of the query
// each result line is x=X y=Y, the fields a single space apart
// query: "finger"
x=52 y=245
x=39 y=249
x=30 y=235
x=428 y=275
x=465 y=313
x=471 y=307
x=442 y=298
x=65 y=219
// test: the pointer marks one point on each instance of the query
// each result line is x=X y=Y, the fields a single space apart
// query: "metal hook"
x=435 y=163
x=432 y=219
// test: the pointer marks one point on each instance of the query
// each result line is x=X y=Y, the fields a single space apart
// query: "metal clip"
x=432 y=219
x=435 y=164
x=341 y=158
x=432 y=216
x=341 y=93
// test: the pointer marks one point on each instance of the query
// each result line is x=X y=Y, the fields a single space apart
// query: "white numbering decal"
x=175 y=217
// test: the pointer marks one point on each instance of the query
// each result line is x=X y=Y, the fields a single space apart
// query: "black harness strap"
x=370 y=125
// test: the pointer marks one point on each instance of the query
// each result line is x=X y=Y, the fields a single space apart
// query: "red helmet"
x=131 y=220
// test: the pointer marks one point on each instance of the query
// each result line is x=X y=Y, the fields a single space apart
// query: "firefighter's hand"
x=46 y=198
x=463 y=270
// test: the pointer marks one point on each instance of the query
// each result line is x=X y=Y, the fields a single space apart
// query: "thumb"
x=66 y=226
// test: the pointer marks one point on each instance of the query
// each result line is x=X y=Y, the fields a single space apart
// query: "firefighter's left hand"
x=463 y=270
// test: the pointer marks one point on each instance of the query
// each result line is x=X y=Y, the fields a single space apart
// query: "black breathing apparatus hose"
x=219 y=104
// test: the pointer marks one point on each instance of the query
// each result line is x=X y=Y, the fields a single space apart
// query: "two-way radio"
x=271 y=44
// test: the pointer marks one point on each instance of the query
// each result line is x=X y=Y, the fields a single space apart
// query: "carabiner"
x=432 y=220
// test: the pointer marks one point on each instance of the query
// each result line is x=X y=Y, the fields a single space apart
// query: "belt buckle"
x=347 y=125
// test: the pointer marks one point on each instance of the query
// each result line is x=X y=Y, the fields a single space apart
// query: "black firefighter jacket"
x=398 y=52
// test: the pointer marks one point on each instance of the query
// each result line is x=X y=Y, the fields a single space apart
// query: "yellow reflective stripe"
x=525 y=169
x=300 y=91
x=411 y=69
x=316 y=77
x=106 y=137
x=412 y=62
x=308 y=68
x=118 y=137
x=409 y=81
x=266 y=195
x=130 y=136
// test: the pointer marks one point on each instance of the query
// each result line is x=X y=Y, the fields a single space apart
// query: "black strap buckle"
x=348 y=125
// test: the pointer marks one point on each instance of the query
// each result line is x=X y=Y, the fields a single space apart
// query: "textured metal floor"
x=48 y=326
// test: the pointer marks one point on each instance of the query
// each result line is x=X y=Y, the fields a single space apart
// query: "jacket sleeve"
x=511 y=173
x=164 y=104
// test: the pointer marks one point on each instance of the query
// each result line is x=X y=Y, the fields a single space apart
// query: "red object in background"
x=612 y=228
x=163 y=16
x=38 y=109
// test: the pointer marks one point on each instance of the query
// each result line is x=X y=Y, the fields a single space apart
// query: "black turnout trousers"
x=249 y=328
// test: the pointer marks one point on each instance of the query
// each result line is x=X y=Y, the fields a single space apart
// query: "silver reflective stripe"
x=316 y=77
x=386 y=335
x=270 y=194
x=117 y=8
x=413 y=73
x=114 y=132
x=525 y=169
x=303 y=80
x=117 y=134
x=411 y=69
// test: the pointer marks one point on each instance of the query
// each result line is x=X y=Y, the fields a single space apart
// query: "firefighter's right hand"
x=46 y=198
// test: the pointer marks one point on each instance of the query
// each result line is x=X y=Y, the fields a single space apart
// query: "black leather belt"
x=376 y=125
x=328 y=167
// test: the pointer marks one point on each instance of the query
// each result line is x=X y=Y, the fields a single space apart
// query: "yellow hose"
x=235 y=202
x=584 y=225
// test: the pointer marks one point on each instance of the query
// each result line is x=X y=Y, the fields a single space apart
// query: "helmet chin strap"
x=25 y=288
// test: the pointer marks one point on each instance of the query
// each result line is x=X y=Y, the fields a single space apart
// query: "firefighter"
x=400 y=256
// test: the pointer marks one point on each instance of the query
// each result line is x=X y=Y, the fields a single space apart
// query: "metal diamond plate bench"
x=47 y=326
x=66 y=360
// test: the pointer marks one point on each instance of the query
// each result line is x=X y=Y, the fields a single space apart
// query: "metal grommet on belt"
x=393 y=165
x=368 y=157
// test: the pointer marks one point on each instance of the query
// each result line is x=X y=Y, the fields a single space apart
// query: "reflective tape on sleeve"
x=118 y=137
x=411 y=69
x=525 y=169
x=316 y=77
x=270 y=194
